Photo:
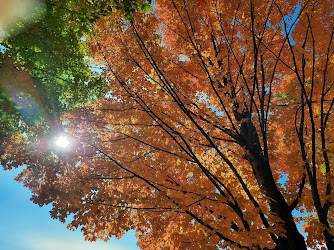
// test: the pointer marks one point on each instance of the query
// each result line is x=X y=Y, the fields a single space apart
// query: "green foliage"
x=21 y=99
x=131 y=6
x=51 y=49
x=146 y=7
x=281 y=95
x=100 y=8
x=9 y=116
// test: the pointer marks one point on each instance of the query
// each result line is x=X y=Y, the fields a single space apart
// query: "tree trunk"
x=293 y=240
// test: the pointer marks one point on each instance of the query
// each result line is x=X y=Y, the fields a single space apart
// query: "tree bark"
x=249 y=139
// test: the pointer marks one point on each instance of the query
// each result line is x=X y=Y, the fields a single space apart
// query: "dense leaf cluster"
x=50 y=47
x=216 y=130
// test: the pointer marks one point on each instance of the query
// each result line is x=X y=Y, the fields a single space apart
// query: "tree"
x=216 y=131
x=45 y=68
x=48 y=44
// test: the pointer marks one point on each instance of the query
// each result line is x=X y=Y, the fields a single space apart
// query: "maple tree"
x=215 y=132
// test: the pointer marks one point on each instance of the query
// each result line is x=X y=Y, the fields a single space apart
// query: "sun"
x=62 y=141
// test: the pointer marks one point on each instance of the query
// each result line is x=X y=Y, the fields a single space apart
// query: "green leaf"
x=129 y=16
x=146 y=7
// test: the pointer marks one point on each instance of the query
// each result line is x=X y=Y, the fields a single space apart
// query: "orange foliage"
x=216 y=129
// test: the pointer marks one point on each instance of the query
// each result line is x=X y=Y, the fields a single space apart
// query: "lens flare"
x=62 y=141
x=13 y=10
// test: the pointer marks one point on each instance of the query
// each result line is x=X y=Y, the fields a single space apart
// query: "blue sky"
x=26 y=226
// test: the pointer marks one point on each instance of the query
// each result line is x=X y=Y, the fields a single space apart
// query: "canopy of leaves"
x=216 y=128
x=50 y=47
